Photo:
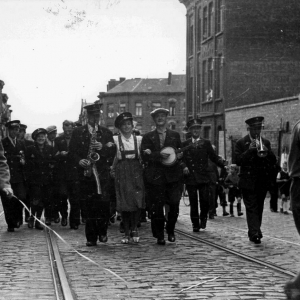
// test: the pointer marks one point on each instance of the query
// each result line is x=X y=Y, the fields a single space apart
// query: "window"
x=156 y=105
x=110 y=110
x=204 y=80
x=218 y=76
x=138 y=109
x=191 y=40
x=205 y=23
x=122 y=108
x=210 y=19
x=199 y=30
x=209 y=95
x=172 y=107
x=220 y=15
x=206 y=132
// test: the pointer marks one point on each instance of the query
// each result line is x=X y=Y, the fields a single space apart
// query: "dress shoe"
x=292 y=290
x=135 y=236
x=103 y=238
x=196 y=229
x=30 y=223
x=255 y=239
x=171 y=237
x=122 y=230
x=48 y=221
x=203 y=223
x=161 y=242
x=286 y=213
x=10 y=229
x=125 y=240
x=225 y=213
x=38 y=226
x=211 y=216
x=64 y=221
x=90 y=244
x=74 y=226
x=56 y=220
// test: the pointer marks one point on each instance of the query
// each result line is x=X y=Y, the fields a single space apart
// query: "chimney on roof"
x=170 y=78
x=122 y=79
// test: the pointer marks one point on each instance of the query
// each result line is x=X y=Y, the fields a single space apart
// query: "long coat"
x=196 y=159
x=254 y=168
x=79 y=149
x=12 y=153
x=155 y=171
x=66 y=168
x=40 y=164
x=4 y=170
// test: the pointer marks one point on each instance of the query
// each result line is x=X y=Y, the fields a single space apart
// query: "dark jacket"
x=156 y=172
x=12 y=153
x=40 y=164
x=4 y=170
x=66 y=168
x=254 y=169
x=196 y=159
x=79 y=148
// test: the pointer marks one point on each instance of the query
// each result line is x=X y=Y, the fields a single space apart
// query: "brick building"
x=239 y=53
x=140 y=96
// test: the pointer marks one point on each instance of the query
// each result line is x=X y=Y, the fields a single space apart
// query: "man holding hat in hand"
x=197 y=178
x=14 y=151
x=164 y=182
x=256 y=160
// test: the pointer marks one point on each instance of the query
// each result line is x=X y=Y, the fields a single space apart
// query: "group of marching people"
x=83 y=163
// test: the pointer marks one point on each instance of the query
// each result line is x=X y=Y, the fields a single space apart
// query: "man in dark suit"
x=164 y=183
x=6 y=192
x=256 y=161
x=14 y=151
x=66 y=178
x=197 y=177
x=27 y=143
x=92 y=146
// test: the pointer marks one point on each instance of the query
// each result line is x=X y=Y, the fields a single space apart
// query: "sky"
x=54 y=53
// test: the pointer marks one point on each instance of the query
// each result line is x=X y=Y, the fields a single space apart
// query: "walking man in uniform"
x=256 y=161
x=66 y=178
x=164 y=183
x=197 y=177
x=92 y=146
x=14 y=151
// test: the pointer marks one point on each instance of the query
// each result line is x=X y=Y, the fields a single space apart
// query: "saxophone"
x=92 y=156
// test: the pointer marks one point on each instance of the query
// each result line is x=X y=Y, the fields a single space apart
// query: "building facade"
x=239 y=52
x=140 y=96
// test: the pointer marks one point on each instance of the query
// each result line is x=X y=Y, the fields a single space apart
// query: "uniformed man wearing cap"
x=54 y=214
x=92 y=146
x=66 y=178
x=164 y=182
x=256 y=160
x=197 y=177
x=40 y=160
x=14 y=151
x=27 y=143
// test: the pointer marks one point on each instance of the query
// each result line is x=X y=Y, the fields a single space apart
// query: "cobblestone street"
x=186 y=269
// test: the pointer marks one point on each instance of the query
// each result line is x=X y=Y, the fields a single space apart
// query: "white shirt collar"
x=195 y=140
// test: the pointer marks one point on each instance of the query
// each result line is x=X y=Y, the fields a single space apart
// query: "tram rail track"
x=236 y=253
x=61 y=285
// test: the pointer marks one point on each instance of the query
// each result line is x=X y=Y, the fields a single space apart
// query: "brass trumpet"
x=262 y=150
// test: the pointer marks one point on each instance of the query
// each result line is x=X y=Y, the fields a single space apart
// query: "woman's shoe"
x=125 y=240
x=135 y=236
